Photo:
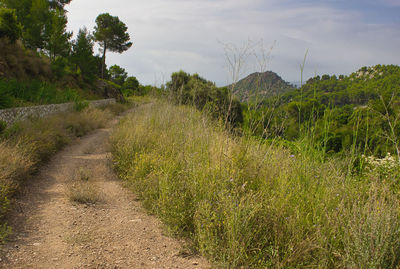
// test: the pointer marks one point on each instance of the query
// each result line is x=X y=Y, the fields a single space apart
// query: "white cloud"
x=169 y=35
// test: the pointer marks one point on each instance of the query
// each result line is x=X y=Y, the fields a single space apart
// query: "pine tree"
x=112 y=35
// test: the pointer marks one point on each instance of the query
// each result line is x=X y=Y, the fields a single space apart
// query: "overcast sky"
x=168 y=35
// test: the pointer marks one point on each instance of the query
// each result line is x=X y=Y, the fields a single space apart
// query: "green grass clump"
x=253 y=205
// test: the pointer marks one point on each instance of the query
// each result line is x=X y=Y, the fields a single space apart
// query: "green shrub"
x=6 y=100
x=131 y=87
x=61 y=67
x=3 y=126
x=13 y=92
x=80 y=105
x=11 y=130
x=204 y=95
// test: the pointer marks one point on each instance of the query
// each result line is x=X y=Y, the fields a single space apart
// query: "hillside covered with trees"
x=41 y=62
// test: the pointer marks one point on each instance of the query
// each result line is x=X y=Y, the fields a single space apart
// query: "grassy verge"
x=15 y=93
x=24 y=146
x=246 y=204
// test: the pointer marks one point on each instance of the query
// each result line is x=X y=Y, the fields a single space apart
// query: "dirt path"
x=50 y=231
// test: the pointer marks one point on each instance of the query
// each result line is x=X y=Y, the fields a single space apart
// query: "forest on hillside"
x=41 y=61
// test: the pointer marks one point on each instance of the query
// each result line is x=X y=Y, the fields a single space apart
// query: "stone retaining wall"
x=20 y=113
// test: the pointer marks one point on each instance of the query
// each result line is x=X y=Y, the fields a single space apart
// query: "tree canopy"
x=57 y=43
x=118 y=74
x=111 y=34
x=82 y=54
x=44 y=24
x=58 y=4
x=9 y=26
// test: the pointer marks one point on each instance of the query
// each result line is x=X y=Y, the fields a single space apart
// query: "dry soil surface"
x=50 y=231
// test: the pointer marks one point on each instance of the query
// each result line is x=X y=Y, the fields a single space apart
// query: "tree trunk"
x=103 y=64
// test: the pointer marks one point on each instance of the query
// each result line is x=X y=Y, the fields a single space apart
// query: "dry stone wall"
x=21 y=113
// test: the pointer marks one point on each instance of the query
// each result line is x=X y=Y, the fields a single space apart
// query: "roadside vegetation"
x=24 y=146
x=247 y=203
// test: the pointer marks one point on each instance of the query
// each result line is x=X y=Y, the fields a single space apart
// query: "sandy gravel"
x=50 y=231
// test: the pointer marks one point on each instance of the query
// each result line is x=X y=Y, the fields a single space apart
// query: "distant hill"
x=260 y=86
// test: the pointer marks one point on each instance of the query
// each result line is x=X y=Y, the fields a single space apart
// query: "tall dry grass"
x=245 y=204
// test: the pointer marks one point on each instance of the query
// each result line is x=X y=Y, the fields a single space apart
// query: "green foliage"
x=3 y=126
x=44 y=24
x=112 y=35
x=152 y=90
x=9 y=26
x=112 y=84
x=359 y=110
x=204 y=95
x=57 y=40
x=356 y=89
x=82 y=55
x=34 y=18
x=45 y=51
x=80 y=105
x=132 y=87
x=59 y=4
x=100 y=64
x=6 y=99
x=34 y=92
x=60 y=67
x=118 y=74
